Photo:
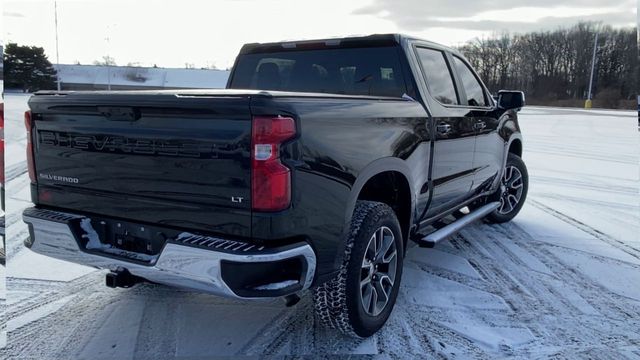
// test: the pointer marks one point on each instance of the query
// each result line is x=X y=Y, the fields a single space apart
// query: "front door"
x=489 y=146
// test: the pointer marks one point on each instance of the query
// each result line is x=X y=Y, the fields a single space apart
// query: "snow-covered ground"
x=3 y=288
x=561 y=280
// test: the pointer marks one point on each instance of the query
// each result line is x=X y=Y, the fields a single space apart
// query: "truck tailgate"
x=178 y=160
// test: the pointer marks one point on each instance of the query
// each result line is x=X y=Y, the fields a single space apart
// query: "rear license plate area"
x=131 y=237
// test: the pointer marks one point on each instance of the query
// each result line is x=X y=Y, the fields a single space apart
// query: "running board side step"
x=435 y=237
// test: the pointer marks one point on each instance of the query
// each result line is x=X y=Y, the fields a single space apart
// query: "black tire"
x=339 y=302
x=506 y=213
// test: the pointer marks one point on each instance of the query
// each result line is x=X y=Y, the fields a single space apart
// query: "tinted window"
x=475 y=94
x=353 y=71
x=438 y=76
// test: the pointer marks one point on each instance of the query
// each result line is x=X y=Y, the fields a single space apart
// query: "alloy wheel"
x=511 y=189
x=378 y=272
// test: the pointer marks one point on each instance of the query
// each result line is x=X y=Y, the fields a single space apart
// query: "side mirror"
x=508 y=100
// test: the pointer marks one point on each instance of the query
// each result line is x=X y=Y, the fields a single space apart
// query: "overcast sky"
x=206 y=33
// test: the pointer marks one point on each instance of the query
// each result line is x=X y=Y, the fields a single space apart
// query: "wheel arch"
x=513 y=146
x=386 y=171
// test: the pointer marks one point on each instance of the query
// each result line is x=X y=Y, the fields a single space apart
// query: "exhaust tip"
x=291 y=300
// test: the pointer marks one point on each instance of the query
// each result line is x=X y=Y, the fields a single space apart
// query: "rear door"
x=452 y=169
x=180 y=161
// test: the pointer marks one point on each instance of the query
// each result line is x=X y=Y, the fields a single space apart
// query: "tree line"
x=28 y=68
x=554 y=67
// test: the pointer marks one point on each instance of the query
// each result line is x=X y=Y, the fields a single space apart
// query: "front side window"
x=438 y=76
x=475 y=93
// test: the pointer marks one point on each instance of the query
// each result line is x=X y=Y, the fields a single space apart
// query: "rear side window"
x=353 y=71
x=438 y=76
x=475 y=94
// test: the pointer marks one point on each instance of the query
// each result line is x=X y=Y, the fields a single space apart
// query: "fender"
x=509 y=130
x=507 y=145
x=372 y=169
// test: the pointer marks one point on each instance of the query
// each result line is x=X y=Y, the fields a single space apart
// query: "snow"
x=3 y=305
x=622 y=279
x=3 y=285
x=452 y=294
x=561 y=280
x=492 y=337
x=91 y=234
x=278 y=285
x=445 y=261
x=195 y=328
x=586 y=167
x=42 y=311
x=122 y=320
x=29 y=265
x=573 y=238
x=527 y=258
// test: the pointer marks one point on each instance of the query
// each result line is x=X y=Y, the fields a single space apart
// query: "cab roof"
x=374 y=40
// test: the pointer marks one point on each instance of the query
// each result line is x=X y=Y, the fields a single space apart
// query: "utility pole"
x=108 y=63
x=588 y=103
x=55 y=11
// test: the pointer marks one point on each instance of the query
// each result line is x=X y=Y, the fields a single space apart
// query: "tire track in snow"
x=545 y=299
x=45 y=292
x=43 y=338
x=588 y=229
x=16 y=230
x=295 y=332
x=15 y=171
x=588 y=185
x=559 y=271
x=413 y=330
x=613 y=206
x=555 y=150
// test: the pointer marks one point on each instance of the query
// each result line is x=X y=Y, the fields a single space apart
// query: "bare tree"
x=552 y=66
x=105 y=61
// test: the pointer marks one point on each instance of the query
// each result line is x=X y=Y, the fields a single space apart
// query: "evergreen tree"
x=27 y=68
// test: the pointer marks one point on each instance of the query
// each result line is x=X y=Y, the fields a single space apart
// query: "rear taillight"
x=270 y=179
x=28 y=123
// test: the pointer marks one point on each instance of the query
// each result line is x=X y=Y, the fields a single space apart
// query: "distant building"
x=97 y=77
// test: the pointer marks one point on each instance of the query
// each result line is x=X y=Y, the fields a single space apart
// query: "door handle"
x=480 y=125
x=443 y=128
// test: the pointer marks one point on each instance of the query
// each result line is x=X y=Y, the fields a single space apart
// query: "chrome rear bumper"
x=189 y=261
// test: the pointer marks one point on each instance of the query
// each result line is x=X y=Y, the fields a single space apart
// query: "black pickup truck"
x=312 y=170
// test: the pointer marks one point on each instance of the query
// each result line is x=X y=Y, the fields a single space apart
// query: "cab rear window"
x=372 y=71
